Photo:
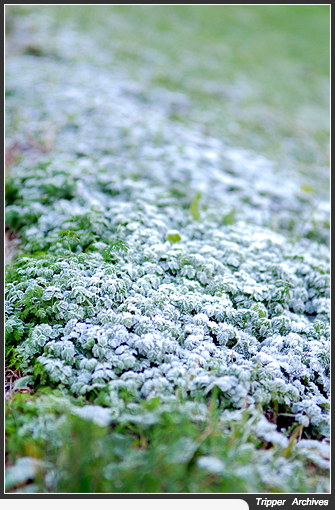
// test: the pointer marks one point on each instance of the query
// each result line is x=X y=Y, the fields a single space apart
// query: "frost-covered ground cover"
x=169 y=302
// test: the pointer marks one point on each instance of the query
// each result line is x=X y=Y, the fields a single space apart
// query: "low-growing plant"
x=169 y=305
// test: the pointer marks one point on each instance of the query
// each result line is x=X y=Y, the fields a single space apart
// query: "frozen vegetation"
x=160 y=272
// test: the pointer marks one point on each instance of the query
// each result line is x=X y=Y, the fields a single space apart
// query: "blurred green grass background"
x=256 y=76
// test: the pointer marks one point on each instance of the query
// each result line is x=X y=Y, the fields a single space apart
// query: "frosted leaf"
x=212 y=464
x=25 y=469
x=96 y=414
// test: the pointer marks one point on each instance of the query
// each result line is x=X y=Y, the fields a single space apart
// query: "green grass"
x=172 y=454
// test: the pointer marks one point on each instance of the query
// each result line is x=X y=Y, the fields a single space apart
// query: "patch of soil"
x=16 y=150
x=10 y=246
x=10 y=377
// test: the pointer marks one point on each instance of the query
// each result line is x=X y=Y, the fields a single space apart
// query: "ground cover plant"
x=168 y=302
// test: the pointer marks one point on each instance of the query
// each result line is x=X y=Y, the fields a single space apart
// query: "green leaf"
x=173 y=236
x=229 y=218
x=260 y=310
x=194 y=207
x=307 y=188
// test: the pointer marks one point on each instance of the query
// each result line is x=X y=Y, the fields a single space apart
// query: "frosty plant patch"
x=158 y=264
